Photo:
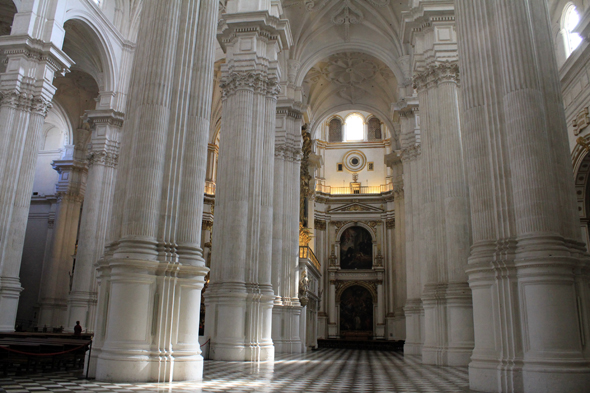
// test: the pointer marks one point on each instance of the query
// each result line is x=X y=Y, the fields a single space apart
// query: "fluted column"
x=152 y=273
x=240 y=286
x=102 y=168
x=55 y=279
x=287 y=311
x=26 y=91
x=395 y=250
x=412 y=168
x=527 y=269
x=446 y=297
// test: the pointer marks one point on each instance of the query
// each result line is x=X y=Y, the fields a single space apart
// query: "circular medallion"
x=354 y=161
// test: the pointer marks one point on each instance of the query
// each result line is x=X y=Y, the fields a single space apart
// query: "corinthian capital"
x=435 y=74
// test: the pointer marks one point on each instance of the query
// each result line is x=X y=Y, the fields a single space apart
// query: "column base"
x=286 y=325
x=122 y=366
x=414 y=327
x=10 y=290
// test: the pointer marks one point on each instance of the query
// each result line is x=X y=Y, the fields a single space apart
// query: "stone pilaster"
x=396 y=251
x=239 y=290
x=152 y=273
x=445 y=211
x=57 y=269
x=287 y=310
x=528 y=269
x=26 y=91
x=412 y=169
x=444 y=215
x=103 y=157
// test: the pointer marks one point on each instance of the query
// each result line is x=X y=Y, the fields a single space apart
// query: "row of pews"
x=25 y=352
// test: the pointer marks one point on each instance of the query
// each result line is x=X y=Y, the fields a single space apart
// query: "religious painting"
x=356 y=249
x=356 y=311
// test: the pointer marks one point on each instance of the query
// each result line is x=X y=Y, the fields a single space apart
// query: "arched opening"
x=356 y=249
x=569 y=21
x=356 y=312
x=7 y=12
x=355 y=128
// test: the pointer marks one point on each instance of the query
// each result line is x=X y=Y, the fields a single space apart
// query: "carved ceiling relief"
x=355 y=75
x=342 y=12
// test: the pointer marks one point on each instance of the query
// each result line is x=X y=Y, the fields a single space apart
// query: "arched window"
x=335 y=130
x=355 y=128
x=569 y=21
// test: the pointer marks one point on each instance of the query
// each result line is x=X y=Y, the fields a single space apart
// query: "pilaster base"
x=286 y=329
x=10 y=290
x=396 y=326
x=131 y=366
x=414 y=327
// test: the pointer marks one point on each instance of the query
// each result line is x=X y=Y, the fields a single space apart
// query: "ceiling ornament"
x=343 y=12
x=352 y=72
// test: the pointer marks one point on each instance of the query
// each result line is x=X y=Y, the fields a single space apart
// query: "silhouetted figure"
x=77 y=329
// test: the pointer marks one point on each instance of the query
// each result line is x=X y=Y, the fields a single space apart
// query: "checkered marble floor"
x=325 y=370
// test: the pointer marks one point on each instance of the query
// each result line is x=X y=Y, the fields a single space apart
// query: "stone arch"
x=58 y=118
x=581 y=161
x=91 y=50
x=368 y=48
x=368 y=285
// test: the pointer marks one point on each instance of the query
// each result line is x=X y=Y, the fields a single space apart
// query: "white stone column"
x=446 y=297
x=26 y=91
x=239 y=290
x=55 y=280
x=412 y=168
x=287 y=312
x=396 y=250
x=151 y=276
x=103 y=156
x=527 y=269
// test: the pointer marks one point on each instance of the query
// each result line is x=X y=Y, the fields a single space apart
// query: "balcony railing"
x=351 y=190
x=209 y=188
x=306 y=253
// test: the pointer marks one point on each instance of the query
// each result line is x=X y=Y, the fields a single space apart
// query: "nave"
x=324 y=370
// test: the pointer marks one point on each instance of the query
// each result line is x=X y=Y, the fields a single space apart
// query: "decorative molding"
x=581 y=121
x=25 y=102
x=436 y=74
x=207 y=225
x=369 y=285
x=102 y=157
x=390 y=224
x=256 y=81
x=355 y=207
x=320 y=225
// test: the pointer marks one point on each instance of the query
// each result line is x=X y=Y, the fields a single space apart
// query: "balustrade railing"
x=307 y=253
x=350 y=190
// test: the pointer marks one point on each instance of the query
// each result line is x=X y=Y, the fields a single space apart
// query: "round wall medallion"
x=354 y=161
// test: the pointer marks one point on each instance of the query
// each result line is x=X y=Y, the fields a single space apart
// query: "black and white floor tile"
x=326 y=370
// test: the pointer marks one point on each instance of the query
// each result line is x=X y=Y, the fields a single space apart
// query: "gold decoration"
x=582 y=142
x=581 y=121
x=320 y=225
x=306 y=177
x=390 y=224
x=207 y=225
x=304 y=235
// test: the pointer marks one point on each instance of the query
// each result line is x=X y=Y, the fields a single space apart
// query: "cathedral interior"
x=244 y=180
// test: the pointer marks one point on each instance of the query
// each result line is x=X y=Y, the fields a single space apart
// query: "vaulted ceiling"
x=349 y=80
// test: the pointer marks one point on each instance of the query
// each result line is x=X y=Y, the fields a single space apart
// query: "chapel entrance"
x=356 y=313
